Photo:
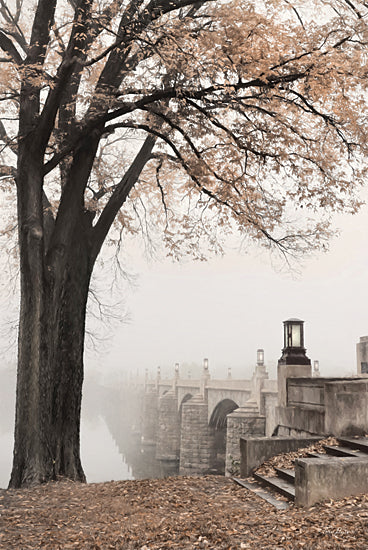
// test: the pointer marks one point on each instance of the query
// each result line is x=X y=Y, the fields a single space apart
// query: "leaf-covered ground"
x=181 y=512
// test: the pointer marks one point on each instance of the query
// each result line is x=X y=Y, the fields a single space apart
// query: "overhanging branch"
x=8 y=47
x=120 y=195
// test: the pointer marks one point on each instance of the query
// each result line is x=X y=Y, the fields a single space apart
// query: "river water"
x=109 y=451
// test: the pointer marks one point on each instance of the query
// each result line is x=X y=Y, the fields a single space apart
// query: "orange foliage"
x=258 y=109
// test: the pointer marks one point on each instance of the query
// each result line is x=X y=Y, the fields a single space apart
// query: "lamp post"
x=293 y=363
x=293 y=352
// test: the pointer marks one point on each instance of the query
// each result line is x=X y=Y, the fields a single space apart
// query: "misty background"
x=223 y=309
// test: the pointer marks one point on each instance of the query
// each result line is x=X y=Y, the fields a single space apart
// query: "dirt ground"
x=182 y=512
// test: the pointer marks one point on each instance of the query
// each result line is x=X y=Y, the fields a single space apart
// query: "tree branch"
x=5 y=138
x=120 y=195
x=7 y=46
x=159 y=95
x=40 y=35
x=77 y=44
x=8 y=16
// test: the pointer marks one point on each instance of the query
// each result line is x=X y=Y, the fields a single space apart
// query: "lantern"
x=293 y=352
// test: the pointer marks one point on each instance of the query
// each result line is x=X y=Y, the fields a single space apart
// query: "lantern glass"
x=296 y=336
x=260 y=356
x=293 y=333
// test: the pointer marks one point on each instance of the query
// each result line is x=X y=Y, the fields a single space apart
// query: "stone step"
x=280 y=485
x=262 y=492
x=359 y=443
x=286 y=474
x=318 y=455
x=344 y=451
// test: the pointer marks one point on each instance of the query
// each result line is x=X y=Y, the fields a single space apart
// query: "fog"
x=223 y=309
x=110 y=443
x=228 y=307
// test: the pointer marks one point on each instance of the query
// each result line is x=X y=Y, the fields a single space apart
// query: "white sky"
x=228 y=307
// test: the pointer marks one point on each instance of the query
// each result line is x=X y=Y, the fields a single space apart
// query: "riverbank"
x=210 y=512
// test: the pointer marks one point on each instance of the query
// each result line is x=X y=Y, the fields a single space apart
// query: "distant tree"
x=199 y=117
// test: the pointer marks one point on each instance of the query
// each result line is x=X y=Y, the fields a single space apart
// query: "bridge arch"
x=220 y=412
x=218 y=424
x=186 y=398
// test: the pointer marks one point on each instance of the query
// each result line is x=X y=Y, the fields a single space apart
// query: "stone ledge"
x=255 y=451
x=319 y=479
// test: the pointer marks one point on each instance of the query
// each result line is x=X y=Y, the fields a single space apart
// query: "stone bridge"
x=199 y=422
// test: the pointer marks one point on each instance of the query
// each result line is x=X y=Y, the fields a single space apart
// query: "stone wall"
x=149 y=420
x=168 y=430
x=269 y=402
x=306 y=392
x=285 y=373
x=197 y=441
x=319 y=479
x=337 y=406
x=255 y=451
x=362 y=356
x=346 y=403
x=300 y=421
x=240 y=423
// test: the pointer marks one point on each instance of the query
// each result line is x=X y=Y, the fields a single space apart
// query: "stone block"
x=239 y=424
x=168 y=432
x=197 y=438
x=320 y=479
x=350 y=398
x=150 y=414
x=302 y=419
x=255 y=451
x=289 y=371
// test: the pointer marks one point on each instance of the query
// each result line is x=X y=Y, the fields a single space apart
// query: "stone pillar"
x=259 y=376
x=197 y=449
x=168 y=429
x=150 y=414
x=362 y=356
x=289 y=371
x=269 y=410
x=241 y=422
x=204 y=378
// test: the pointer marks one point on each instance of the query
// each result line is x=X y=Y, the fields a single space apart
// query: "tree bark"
x=54 y=296
x=49 y=388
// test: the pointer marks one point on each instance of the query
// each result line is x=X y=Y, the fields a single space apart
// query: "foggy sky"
x=226 y=308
